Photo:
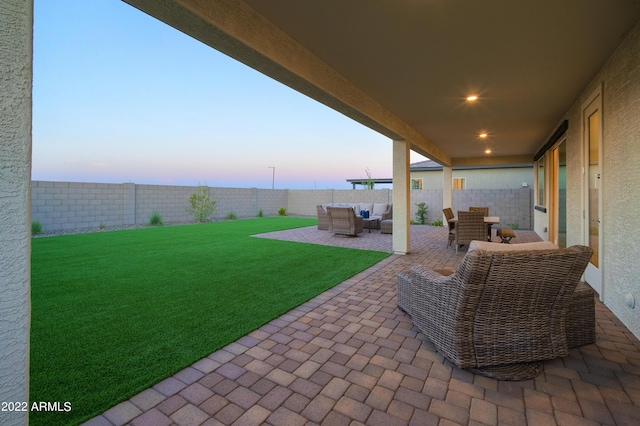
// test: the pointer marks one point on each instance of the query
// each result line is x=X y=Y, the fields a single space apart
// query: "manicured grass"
x=114 y=313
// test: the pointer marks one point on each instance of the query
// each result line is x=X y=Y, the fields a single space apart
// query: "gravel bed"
x=93 y=229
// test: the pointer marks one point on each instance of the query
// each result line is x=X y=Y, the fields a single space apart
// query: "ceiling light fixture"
x=483 y=135
x=472 y=98
x=487 y=151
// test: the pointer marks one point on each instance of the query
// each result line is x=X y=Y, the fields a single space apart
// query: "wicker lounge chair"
x=500 y=313
x=343 y=221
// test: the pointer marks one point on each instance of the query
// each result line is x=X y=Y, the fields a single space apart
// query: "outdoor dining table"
x=489 y=221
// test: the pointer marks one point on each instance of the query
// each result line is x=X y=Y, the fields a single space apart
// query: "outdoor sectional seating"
x=380 y=211
x=505 y=308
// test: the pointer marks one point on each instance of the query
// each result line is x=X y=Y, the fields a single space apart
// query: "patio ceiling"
x=405 y=67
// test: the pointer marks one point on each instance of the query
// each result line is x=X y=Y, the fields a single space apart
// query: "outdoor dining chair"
x=448 y=214
x=470 y=226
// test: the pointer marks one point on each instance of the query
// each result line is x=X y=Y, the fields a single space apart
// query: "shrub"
x=437 y=223
x=155 y=219
x=421 y=214
x=36 y=227
x=102 y=226
x=282 y=211
x=514 y=226
x=231 y=216
x=201 y=205
x=260 y=213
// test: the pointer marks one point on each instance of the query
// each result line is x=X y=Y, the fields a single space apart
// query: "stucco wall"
x=16 y=23
x=504 y=178
x=620 y=82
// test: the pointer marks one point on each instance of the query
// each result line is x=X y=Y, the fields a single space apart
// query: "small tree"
x=370 y=182
x=201 y=205
x=421 y=214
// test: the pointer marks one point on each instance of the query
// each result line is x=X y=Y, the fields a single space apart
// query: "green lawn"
x=115 y=312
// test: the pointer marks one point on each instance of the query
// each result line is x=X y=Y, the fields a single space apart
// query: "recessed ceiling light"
x=487 y=151
x=472 y=98
x=483 y=135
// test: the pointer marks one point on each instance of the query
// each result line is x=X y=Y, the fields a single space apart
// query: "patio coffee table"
x=372 y=221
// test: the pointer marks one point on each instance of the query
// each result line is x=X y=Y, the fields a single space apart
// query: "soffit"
x=419 y=59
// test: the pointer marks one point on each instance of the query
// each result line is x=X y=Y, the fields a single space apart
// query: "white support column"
x=447 y=192
x=401 y=197
x=16 y=65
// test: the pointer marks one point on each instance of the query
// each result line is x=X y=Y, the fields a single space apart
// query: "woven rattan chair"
x=470 y=226
x=323 y=218
x=484 y=210
x=343 y=221
x=448 y=214
x=500 y=313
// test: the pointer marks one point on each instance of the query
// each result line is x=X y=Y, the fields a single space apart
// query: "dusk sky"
x=121 y=97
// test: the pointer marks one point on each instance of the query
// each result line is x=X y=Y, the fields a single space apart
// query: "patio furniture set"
x=474 y=224
x=345 y=219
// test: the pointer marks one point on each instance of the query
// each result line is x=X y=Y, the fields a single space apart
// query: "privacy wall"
x=70 y=205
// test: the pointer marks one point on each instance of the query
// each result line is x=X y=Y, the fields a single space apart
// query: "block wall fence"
x=70 y=205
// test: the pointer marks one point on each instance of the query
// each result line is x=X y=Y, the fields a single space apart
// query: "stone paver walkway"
x=351 y=357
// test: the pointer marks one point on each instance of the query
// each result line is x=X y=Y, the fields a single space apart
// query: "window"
x=459 y=183
x=540 y=179
x=416 y=183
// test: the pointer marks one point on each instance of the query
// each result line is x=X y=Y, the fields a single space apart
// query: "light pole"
x=273 y=178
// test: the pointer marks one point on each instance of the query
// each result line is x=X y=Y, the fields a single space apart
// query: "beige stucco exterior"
x=619 y=81
x=16 y=41
x=480 y=178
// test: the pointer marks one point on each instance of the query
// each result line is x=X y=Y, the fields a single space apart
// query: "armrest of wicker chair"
x=388 y=214
x=323 y=218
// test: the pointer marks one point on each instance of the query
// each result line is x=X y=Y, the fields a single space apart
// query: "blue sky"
x=121 y=97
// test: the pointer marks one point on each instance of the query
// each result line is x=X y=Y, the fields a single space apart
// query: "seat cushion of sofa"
x=487 y=246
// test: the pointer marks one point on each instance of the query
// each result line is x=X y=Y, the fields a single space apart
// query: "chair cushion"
x=487 y=246
x=379 y=209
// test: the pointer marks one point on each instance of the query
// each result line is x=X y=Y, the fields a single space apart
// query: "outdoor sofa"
x=505 y=309
x=380 y=211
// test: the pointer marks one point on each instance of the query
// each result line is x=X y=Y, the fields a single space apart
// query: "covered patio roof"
x=405 y=68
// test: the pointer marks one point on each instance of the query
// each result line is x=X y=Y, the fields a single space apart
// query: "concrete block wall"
x=514 y=206
x=168 y=201
x=304 y=202
x=247 y=202
x=69 y=205
x=363 y=196
x=432 y=198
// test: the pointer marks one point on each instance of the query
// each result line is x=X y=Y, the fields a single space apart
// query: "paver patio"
x=349 y=356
